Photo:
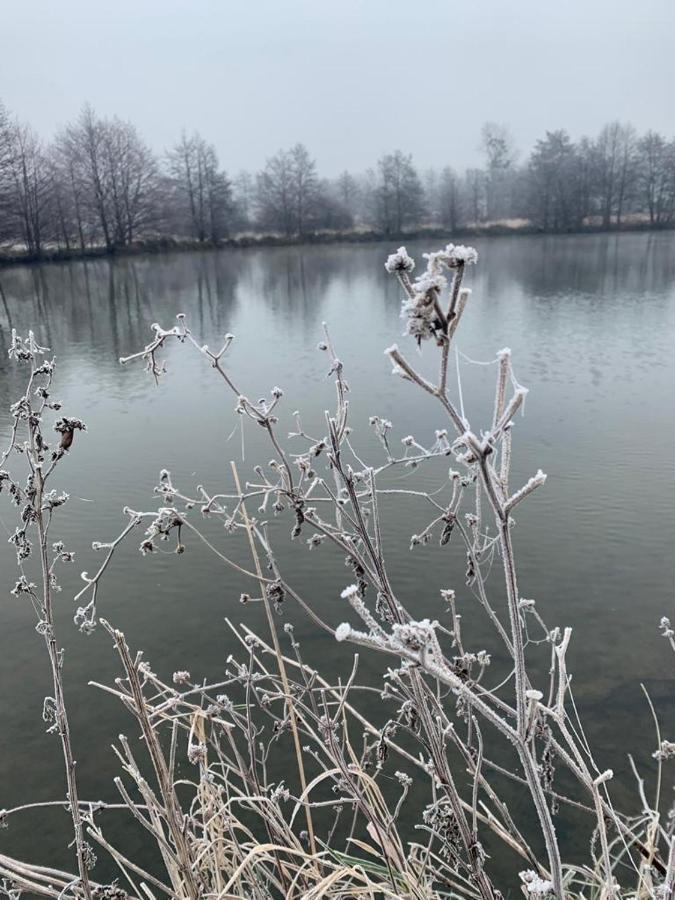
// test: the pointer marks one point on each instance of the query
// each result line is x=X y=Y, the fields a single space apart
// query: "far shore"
x=11 y=256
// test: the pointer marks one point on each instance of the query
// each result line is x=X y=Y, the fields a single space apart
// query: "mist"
x=350 y=80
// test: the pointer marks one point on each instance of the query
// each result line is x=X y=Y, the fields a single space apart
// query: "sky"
x=352 y=79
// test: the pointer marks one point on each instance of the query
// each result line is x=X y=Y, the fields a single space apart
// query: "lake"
x=590 y=321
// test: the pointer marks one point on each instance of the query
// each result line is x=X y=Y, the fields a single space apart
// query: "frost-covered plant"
x=32 y=459
x=451 y=724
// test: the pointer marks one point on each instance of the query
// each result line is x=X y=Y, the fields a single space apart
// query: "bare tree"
x=329 y=212
x=626 y=169
x=203 y=190
x=243 y=194
x=498 y=149
x=305 y=186
x=130 y=170
x=613 y=169
x=288 y=191
x=449 y=199
x=85 y=143
x=68 y=173
x=275 y=195
x=108 y=180
x=656 y=177
x=431 y=189
x=27 y=192
x=62 y=219
x=349 y=193
x=555 y=183
x=474 y=186
x=585 y=164
x=398 y=195
x=5 y=167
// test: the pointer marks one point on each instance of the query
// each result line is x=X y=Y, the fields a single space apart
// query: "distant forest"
x=98 y=184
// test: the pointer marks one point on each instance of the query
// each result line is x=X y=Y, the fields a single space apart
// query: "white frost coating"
x=534 y=482
x=462 y=254
x=451 y=256
x=343 y=631
x=399 y=261
x=535 y=885
x=504 y=353
x=434 y=261
x=390 y=350
x=666 y=748
x=607 y=775
x=419 y=312
x=534 y=695
x=429 y=281
x=350 y=591
x=514 y=405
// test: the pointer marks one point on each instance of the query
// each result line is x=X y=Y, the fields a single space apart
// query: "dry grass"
x=339 y=825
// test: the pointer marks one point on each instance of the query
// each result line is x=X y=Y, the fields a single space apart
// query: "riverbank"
x=156 y=245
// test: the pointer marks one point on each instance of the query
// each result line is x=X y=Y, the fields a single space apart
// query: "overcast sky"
x=350 y=78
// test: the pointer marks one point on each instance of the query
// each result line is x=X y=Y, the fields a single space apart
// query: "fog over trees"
x=98 y=184
x=197 y=195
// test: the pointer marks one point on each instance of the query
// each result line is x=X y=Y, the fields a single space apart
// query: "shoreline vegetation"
x=96 y=188
x=161 y=244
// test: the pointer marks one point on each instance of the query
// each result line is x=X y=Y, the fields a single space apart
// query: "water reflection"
x=110 y=301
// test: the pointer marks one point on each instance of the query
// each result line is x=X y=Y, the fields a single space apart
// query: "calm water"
x=591 y=323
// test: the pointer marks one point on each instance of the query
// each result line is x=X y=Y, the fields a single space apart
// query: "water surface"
x=591 y=324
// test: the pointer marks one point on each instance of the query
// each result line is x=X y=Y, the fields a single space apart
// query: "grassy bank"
x=14 y=256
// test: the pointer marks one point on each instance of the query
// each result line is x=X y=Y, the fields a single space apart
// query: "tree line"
x=98 y=184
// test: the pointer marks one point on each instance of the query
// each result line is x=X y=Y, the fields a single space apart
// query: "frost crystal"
x=535 y=885
x=665 y=751
x=428 y=282
x=415 y=635
x=419 y=317
x=399 y=262
x=451 y=257
x=461 y=254
x=343 y=631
